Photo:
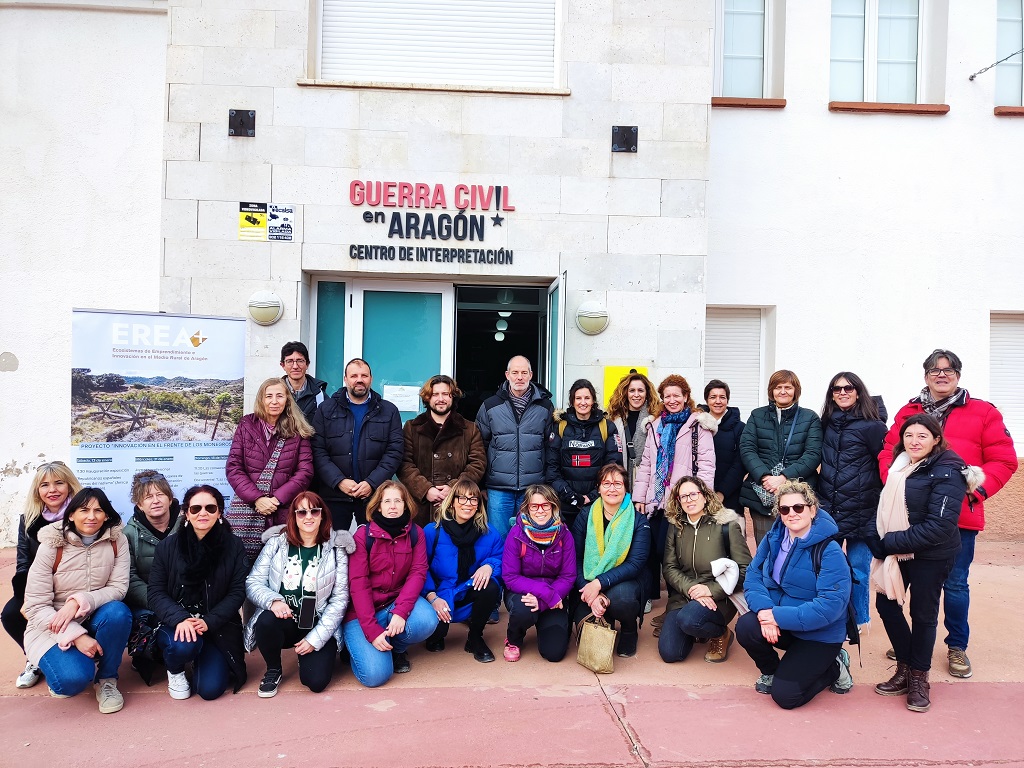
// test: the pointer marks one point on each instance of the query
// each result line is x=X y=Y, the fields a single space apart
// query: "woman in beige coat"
x=77 y=625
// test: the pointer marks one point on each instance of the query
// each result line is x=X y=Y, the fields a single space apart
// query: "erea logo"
x=197 y=338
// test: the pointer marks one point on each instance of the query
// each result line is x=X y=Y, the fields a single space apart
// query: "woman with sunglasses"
x=539 y=569
x=848 y=482
x=916 y=543
x=53 y=484
x=299 y=586
x=464 y=575
x=798 y=591
x=612 y=543
x=196 y=589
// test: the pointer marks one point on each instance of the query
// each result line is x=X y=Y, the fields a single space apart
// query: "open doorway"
x=493 y=323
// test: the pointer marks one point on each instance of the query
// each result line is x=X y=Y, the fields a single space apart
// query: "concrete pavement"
x=453 y=711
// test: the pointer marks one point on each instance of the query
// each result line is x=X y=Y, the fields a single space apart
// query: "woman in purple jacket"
x=539 y=568
x=270 y=463
x=386 y=574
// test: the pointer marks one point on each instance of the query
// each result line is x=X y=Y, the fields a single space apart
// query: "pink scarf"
x=893 y=516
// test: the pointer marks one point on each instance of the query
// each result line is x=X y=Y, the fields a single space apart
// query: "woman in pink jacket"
x=680 y=443
x=269 y=464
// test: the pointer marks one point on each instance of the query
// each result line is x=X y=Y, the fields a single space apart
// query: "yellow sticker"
x=252 y=221
x=613 y=374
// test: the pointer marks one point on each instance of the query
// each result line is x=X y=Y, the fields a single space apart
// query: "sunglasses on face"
x=312 y=512
x=847 y=388
x=785 y=509
x=211 y=509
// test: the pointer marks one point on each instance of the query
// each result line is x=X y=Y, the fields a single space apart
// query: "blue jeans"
x=956 y=601
x=373 y=668
x=859 y=555
x=503 y=507
x=684 y=625
x=70 y=672
x=211 y=674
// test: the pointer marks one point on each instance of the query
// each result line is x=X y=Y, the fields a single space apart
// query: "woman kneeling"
x=299 y=586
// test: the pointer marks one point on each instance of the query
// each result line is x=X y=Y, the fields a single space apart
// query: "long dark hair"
x=865 y=407
x=82 y=498
x=930 y=423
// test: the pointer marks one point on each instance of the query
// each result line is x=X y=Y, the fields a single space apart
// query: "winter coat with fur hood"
x=575 y=455
x=689 y=551
x=705 y=427
x=93 y=575
x=975 y=430
x=263 y=584
x=763 y=444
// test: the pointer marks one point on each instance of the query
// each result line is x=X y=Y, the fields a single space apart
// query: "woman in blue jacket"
x=464 y=575
x=798 y=590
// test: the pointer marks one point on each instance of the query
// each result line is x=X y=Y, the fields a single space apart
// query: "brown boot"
x=917 y=695
x=897 y=684
x=718 y=647
x=659 y=620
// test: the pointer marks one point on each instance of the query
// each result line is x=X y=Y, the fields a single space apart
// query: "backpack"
x=414 y=536
x=852 y=630
x=603 y=426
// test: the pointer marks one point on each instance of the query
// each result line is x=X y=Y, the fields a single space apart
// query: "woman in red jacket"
x=270 y=463
x=386 y=574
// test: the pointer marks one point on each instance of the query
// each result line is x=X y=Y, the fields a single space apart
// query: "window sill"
x=734 y=102
x=126 y=6
x=879 y=108
x=1009 y=111
x=519 y=90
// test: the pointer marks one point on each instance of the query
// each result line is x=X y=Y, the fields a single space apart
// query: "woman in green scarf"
x=612 y=544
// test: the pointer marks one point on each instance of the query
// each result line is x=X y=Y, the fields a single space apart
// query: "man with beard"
x=441 y=447
x=357 y=445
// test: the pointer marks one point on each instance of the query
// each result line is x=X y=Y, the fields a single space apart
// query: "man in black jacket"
x=357 y=446
x=308 y=392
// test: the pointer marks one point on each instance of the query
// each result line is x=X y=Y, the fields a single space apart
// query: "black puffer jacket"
x=515 y=446
x=762 y=443
x=849 y=484
x=575 y=456
x=729 y=469
x=935 y=492
x=307 y=401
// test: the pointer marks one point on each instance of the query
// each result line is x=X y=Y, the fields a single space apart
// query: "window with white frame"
x=1009 y=40
x=439 y=42
x=749 y=42
x=875 y=53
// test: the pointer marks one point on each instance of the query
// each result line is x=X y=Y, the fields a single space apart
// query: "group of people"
x=557 y=515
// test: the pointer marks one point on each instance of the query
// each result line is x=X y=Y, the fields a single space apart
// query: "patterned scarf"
x=940 y=408
x=667 y=433
x=519 y=403
x=607 y=545
x=542 y=536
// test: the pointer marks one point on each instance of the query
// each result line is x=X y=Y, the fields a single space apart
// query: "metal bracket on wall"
x=242 y=122
x=624 y=138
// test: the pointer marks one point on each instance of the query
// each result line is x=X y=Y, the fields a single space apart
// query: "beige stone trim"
x=315 y=83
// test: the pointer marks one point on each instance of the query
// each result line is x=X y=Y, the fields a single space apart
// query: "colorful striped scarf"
x=540 y=535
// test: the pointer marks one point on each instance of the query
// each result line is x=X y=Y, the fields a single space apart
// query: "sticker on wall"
x=252 y=221
x=280 y=222
x=613 y=374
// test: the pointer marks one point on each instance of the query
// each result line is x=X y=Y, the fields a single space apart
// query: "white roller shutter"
x=439 y=42
x=732 y=353
x=1007 y=356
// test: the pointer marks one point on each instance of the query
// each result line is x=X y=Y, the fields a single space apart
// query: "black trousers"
x=913 y=643
x=625 y=606
x=807 y=668
x=316 y=669
x=552 y=627
x=14 y=623
x=484 y=601
x=656 y=556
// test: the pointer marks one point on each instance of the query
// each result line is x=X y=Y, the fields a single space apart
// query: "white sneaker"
x=177 y=685
x=29 y=677
x=648 y=606
x=109 y=698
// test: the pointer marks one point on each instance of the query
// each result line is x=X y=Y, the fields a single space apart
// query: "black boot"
x=401 y=662
x=475 y=644
x=435 y=642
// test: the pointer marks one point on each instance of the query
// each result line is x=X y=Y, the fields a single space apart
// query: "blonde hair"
x=447 y=509
x=798 y=487
x=142 y=482
x=674 y=512
x=292 y=421
x=34 y=505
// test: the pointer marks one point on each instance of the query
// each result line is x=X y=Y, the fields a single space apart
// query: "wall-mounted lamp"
x=591 y=318
x=265 y=308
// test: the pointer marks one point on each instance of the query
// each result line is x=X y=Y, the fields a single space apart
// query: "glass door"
x=554 y=356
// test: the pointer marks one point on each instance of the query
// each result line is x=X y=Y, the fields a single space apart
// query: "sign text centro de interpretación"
x=478 y=207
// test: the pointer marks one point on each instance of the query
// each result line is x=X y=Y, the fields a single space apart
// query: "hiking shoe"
x=29 y=677
x=843 y=683
x=648 y=606
x=177 y=686
x=109 y=698
x=270 y=683
x=56 y=695
x=764 y=684
x=511 y=652
x=659 y=620
x=718 y=647
x=400 y=659
x=959 y=664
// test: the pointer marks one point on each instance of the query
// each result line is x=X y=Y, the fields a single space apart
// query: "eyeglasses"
x=612 y=486
x=785 y=509
x=211 y=509
x=847 y=388
x=312 y=512
x=936 y=372
x=293 y=363
x=690 y=496
x=472 y=501
x=545 y=507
